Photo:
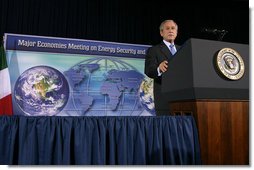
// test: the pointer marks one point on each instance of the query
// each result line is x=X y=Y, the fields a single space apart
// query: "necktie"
x=172 y=49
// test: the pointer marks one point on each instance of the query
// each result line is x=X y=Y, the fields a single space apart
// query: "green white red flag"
x=5 y=86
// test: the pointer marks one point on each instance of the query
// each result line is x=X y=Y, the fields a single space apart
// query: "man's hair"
x=168 y=20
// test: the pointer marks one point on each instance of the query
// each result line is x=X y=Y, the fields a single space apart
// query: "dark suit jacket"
x=155 y=55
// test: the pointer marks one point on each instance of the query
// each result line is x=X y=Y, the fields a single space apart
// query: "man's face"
x=169 y=31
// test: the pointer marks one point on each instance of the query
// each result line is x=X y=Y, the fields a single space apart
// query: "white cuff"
x=158 y=70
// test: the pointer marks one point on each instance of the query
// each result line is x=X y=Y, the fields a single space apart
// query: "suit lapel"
x=177 y=47
x=164 y=49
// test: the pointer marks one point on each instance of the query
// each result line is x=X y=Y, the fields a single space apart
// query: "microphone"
x=210 y=30
x=214 y=31
x=223 y=31
x=219 y=33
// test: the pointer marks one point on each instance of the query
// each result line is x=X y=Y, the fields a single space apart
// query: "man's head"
x=168 y=30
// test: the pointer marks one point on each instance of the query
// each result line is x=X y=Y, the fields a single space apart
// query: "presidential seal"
x=230 y=64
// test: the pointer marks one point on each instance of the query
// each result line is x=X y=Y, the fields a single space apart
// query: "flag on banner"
x=5 y=86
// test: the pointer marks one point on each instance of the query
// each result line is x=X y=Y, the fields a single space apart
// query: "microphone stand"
x=219 y=33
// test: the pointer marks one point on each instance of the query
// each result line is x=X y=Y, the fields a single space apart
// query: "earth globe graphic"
x=146 y=95
x=41 y=91
x=104 y=86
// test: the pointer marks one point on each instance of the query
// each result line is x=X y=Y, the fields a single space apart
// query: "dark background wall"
x=124 y=21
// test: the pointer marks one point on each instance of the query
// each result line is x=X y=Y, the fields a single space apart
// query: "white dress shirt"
x=168 y=45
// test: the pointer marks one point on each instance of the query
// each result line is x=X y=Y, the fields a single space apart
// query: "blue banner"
x=71 y=77
x=73 y=46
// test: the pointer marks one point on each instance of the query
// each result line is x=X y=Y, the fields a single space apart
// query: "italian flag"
x=5 y=86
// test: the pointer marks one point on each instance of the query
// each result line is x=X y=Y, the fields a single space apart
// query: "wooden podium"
x=220 y=105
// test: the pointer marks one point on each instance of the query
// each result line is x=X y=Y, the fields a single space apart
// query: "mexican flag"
x=5 y=86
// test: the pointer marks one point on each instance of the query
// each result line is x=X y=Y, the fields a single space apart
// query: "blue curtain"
x=99 y=140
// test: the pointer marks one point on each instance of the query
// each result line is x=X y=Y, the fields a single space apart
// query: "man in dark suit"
x=156 y=62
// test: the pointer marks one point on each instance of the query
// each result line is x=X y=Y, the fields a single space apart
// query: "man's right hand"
x=163 y=66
